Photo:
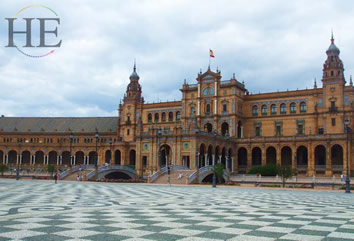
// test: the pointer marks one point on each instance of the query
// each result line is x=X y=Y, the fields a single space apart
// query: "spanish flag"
x=211 y=53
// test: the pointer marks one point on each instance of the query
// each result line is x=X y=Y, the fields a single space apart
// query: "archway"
x=92 y=158
x=1 y=156
x=225 y=129
x=66 y=158
x=165 y=151
x=217 y=153
x=53 y=158
x=239 y=129
x=229 y=158
x=108 y=157
x=39 y=157
x=223 y=156
x=242 y=158
x=118 y=175
x=208 y=127
x=256 y=156
x=12 y=155
x=26 y=157
x=79 y=158
x=201 y=161
x=117 y=157
x=337 y=156
x=210 y=155
x=132 y=157
x=271 y=155
x=320 y=156
x=302 y=157
x=286 y=156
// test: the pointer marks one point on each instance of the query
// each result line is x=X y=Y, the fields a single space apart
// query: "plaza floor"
x=41 y=210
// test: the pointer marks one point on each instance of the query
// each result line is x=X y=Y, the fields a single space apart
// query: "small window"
x=332 y=73
x=283 y=109
x=320 y=131
x=273 y=109
x=170 y=116
x=192 y=111
x=303 y=107
x=163 y=117
x=278 y=131
x=292 y=108
x=346 y=100
x=149 y=118
x=264 y=110
x=255 y=110
x=208 y=109
x=333 y=121
x=224 y=107
x=156 y=117
x=300 y=129
x=320 y=102
x=178 y=116
x=258 y=131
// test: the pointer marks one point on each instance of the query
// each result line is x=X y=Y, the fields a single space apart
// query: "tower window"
x=128 y=132
x=208 y=109
x=156 y=117
x=149 y=118
x=332 y=58
x=224 y=107
x=170 y=116
x=333 y=121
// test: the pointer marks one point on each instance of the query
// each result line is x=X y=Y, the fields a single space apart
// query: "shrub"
x=267 y=170
x=3 y=168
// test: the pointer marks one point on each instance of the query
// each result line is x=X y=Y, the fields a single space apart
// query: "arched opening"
x=264 y=110
x=12 y=157
x=92 y=158
x=208 y=127
x=256 y=156
x=255 y=110
x=225 y=129
x=223 y=156
x=79 y=158
x=165 y=151
x=210 y=155
x=170 y=116
x=132 y=158
x=229 y=155
x=209 y=179
x=156 y=117
x=163 y=117
x=337 y=156
x=117 y=157
x=208 y=109
x=239 y=129
x=201 y=161
x=286 y=156
x=178 y=116
x=320 y=157
x=149 y=118
x=26 y=157
x=1 y=156
x=302 y=157
x=108 y=157
x=118 y=175
x=271 y=155
x=242 y=158
x=66 y=158
x=39 y=157
x=293 y=108
x=53 y=157
x=217 y=153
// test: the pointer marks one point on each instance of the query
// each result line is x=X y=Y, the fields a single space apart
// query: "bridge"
x=103 y=171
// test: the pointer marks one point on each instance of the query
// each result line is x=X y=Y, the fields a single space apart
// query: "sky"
x=270 y=45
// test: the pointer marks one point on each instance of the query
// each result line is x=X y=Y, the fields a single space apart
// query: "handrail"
x=205 y=169
x=192 y=177
x=63 y=174
x=90 y=174
x=154 y=176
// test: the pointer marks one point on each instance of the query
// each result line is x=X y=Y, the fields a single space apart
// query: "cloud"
x=265 y=43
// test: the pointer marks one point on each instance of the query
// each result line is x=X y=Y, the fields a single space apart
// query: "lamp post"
x=19 y=160
x=347 y=179
x=96 y=156
x=159 y=133
x=214 y=175
x=196 y=147
x=71 y=147
x=110 y=146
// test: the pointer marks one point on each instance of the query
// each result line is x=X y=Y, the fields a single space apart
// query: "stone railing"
x=154 y=176
x=192 y=177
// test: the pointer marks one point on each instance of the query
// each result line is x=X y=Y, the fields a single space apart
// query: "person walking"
x=55 y=178
x=78 y=178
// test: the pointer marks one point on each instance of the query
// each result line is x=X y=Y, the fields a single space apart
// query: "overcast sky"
x=271 y=45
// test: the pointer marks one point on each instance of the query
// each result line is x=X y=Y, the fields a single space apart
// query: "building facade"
x=215 y=121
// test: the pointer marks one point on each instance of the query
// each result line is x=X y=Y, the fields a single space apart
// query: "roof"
x=58 y=124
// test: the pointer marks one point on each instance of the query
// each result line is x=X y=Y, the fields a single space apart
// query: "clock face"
x=186 y=146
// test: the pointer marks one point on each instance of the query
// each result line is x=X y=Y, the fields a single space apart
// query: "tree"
x=285 y=172
x=219 y=171
x=51 y=169
x=3 y=168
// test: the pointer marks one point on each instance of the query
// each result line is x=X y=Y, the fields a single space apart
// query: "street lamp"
x=347 y=179
x=18 y=160
x=214 y=175
x=71 y=147
x=96 y=156
x=159 y=133
x=196 y=147
x=110 y=146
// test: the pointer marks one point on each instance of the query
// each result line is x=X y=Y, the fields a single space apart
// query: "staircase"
x=163 y=179
x=73 y=176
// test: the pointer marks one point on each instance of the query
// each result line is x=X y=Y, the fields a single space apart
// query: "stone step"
x=163 y=179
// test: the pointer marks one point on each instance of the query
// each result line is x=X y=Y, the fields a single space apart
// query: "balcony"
x=333 y=109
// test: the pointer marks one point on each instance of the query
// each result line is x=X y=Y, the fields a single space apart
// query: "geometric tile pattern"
x=41 y=210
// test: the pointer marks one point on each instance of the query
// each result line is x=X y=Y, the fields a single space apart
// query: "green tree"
x=285 y=172
x=3 y=168
x=219 y=172
x=51 y=169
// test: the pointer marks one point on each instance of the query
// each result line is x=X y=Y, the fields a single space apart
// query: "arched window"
x=255 y=110
x=208 y=91
x=283 y=109
x=264 y=110
x=149 y=118
x=208 y=109
x=170 y=116
x=293 y=108
x=163 y=117
x=302 y=107
x=156 y=117
x=192 y=111
x=178 y=116
x=273 y=109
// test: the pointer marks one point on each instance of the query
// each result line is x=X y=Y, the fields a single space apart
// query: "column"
x=7 y=159
x=241 y=131
x=293 y=160
x=311 y=161
x=17 y=159
x=227 y=162
x=219 y=158
x=206 y=160
x=232 y=164
x=61 y=160
x=31 y=157
x=328 y=161
x=58 y=160
x=74 y=160
x=249 y=159
x=20 y=159
x=34 y=160
x=213 y=158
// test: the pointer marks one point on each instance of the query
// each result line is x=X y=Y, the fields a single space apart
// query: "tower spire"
x=332 y=38
x=134 y=65
x=315 y=84
x=351 y=81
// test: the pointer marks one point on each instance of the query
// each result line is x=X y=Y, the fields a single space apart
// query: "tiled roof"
x=58 y=124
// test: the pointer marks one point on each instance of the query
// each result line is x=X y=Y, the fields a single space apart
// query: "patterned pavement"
x=40 y=210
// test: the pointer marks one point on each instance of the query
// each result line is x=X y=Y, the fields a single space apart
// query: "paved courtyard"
x=40 y=210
